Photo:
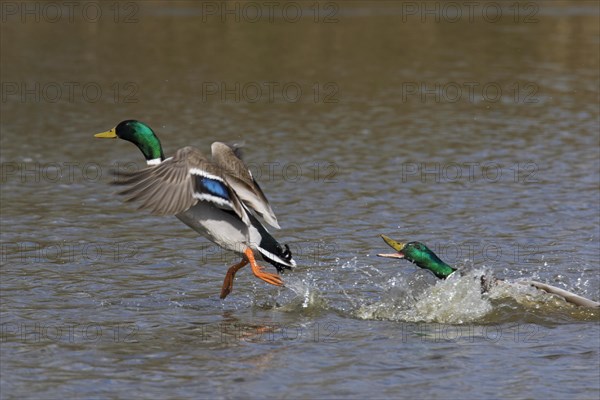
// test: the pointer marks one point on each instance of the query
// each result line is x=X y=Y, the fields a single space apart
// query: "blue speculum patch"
x=215 y=187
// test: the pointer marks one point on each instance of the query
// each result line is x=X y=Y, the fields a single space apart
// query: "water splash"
x=365 y=292
x=455 y=300
x=306 y=297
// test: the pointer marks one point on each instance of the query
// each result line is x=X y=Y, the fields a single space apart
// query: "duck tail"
x=270 y=249
x=275 y=254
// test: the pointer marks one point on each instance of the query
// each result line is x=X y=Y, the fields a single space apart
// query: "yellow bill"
x=398 y=246
x=108 y=134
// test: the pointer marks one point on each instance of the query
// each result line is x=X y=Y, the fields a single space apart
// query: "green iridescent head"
x=139 y=134
x=421 y=255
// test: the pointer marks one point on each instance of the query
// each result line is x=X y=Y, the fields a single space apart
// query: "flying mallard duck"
x=216 y=197
x=423 y=257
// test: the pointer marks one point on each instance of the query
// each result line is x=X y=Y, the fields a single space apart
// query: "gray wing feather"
x=238 y=177
x=568 y=296
x=168 y=188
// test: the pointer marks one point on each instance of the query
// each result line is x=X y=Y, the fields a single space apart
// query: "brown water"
x=478 y=136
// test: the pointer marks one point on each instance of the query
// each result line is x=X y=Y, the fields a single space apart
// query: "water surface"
x=478 y=138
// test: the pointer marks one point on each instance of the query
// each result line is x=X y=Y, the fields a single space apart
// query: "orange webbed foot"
x=228 y=281
x=258 y=271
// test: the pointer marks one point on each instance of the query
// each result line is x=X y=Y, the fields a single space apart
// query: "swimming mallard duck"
x=419 y=254
x=423 y=257
x=216 y=197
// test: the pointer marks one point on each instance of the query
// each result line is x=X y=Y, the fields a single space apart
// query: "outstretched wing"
x=178 y=183
x=240 y=179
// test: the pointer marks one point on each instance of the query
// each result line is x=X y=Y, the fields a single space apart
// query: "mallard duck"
x=419 y=254
x=423 y=257
x=216 y=197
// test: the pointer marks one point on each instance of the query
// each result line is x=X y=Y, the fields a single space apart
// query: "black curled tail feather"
x=287 y=254
x=279 y=257
x=270 y=249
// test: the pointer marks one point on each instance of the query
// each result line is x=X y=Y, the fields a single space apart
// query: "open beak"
x=108 y=134
x=398 y=246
